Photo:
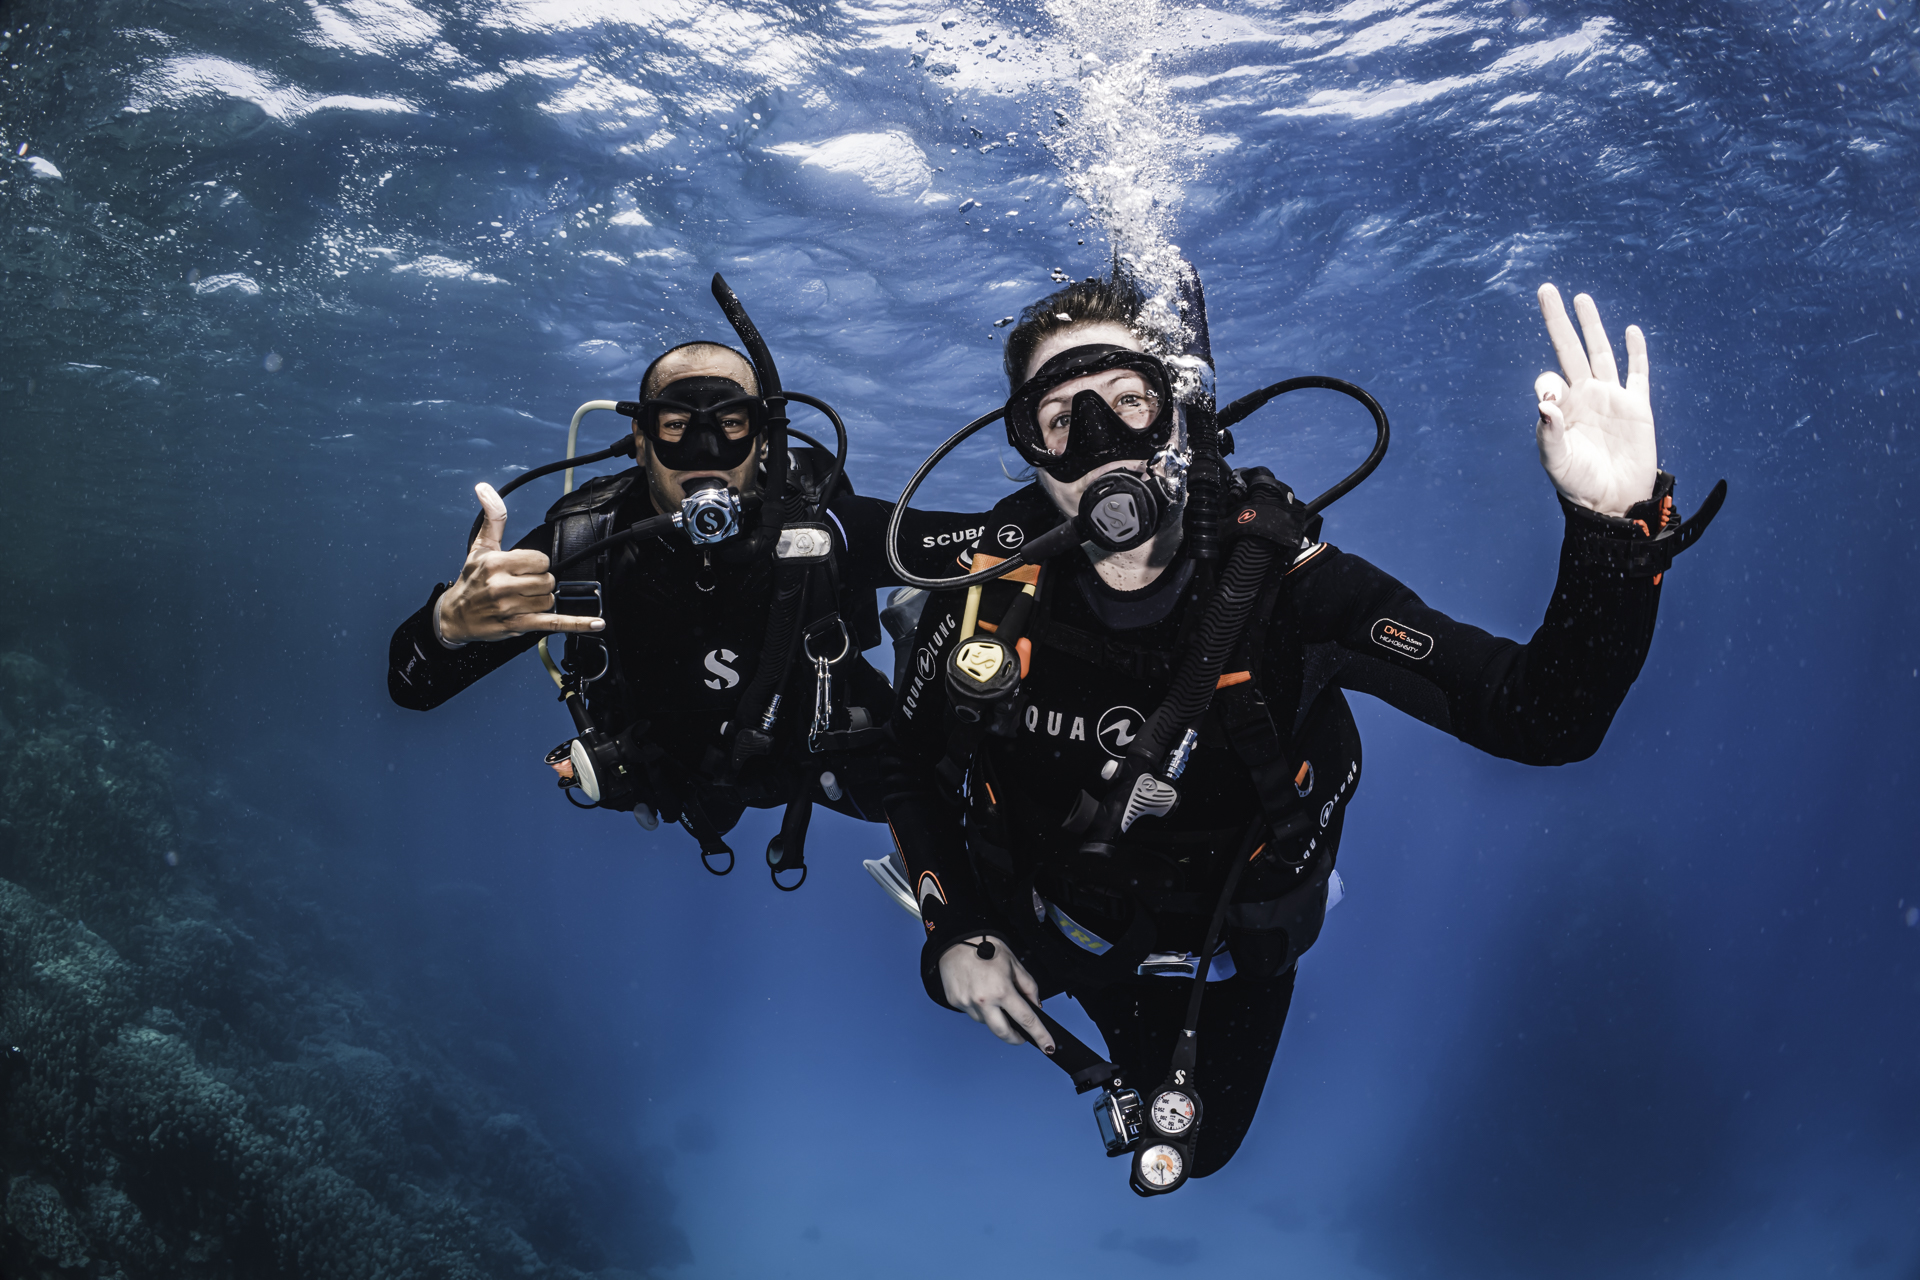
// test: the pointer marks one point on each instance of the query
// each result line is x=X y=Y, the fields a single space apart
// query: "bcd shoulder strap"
x=579 y=520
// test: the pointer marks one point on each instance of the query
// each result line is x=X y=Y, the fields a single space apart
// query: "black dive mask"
x=708 y=404
x=1100 y=432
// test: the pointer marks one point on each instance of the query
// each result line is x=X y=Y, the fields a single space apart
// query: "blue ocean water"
x=284 y=280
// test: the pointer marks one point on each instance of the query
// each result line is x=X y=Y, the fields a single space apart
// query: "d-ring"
x=846 y=644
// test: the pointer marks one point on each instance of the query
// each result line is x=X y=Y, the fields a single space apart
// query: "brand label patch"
x=1404 y=641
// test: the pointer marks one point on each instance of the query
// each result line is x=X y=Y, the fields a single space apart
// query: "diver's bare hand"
x=501 y=594
x=1596 y=436
x=999 y=992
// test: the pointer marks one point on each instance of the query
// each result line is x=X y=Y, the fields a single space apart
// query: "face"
x=1125 y=390
x=668 y=487
x=1133 y=401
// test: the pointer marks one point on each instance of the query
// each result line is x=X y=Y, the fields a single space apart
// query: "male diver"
x=716 y=598
x=1129 y=757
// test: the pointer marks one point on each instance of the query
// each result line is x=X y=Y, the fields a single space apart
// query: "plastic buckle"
x=571 y=598
x=582 y=600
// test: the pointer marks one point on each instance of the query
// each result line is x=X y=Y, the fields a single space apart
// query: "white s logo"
x=717 y=661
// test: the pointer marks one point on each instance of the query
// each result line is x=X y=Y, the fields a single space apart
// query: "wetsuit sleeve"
x=929 y=541
x=422 y=673
x=926 y=823
x=1548 y=701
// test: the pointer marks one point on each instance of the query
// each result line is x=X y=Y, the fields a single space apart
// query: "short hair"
x=650 y=383
x=1091 y=301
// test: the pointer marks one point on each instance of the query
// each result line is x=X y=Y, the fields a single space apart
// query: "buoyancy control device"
x=1122 y=510
x=611 y=767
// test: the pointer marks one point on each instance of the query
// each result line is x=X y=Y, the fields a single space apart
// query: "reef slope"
x=193 y=1086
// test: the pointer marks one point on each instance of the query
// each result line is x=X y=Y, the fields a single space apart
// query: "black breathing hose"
x=1253 y=400
x=660 y=524
x=1194 y=681
x=632 y=533
x=1047 y=544
x=623 y=447
x=840 y=440
x=1220 y=631
x=1205 y=484
x=1208 y=465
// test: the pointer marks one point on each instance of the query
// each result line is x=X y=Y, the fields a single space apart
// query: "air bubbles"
x=173 y=858
x=274 y=362
x=1519 y=8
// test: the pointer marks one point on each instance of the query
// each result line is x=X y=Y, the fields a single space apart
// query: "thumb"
x=493 y=525
x=1551 y=435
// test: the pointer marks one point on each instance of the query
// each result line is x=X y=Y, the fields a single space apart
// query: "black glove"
x=1259 y=506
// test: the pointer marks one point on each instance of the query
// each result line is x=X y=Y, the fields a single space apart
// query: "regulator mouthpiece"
x=710 y=512
x=1120 y=511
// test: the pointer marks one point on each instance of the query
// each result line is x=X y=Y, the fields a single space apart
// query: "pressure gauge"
x=1160 y=1167
x=1172 y=1112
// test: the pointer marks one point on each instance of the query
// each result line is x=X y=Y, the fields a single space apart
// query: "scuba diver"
x=715 y=600
x=1126 y=749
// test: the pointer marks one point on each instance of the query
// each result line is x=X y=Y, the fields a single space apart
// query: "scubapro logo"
x=717 y=660
x=1010 y=536
x=1118 y=728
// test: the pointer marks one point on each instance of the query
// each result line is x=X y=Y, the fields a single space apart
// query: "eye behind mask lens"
x=1096 y=433
x=703 y=444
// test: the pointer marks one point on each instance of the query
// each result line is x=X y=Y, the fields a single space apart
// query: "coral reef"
x=187 y=1092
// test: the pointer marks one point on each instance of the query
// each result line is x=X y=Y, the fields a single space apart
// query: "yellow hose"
x=972 y=615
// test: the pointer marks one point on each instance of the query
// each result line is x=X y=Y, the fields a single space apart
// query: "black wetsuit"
x=1002 y=863
x=686 y=626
